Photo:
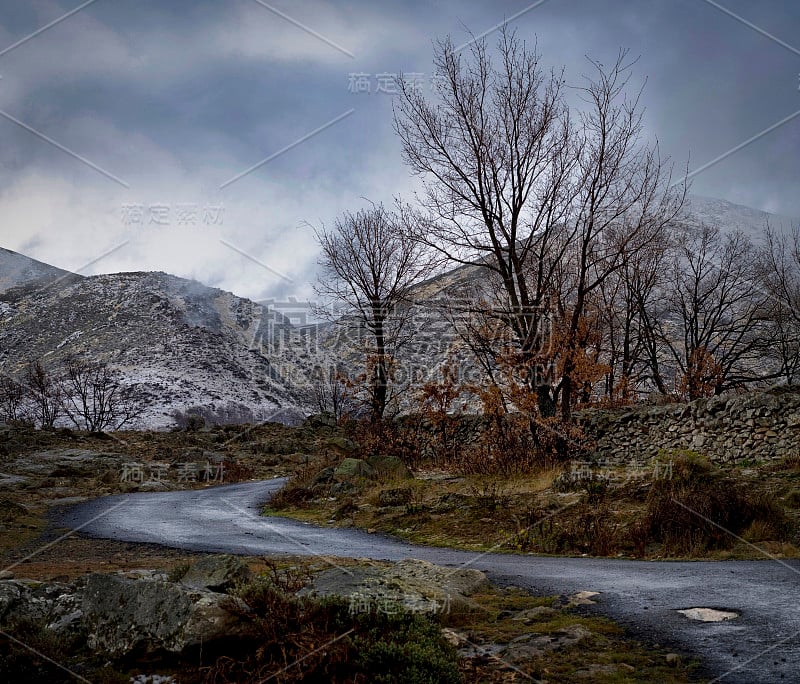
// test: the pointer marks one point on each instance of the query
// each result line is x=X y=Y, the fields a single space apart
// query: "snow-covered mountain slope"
x=185 y=344
x=729 y=216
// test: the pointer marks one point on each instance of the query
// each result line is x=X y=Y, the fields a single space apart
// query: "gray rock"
x=342 y=446
x=418 y=586
x=119 y=616
x=323 y=478
x=56 y=605
x=342 y=581
x=537 y=613
x=124 y=616
x=395 y=497
x=216 y=573
x=530 y=646
x=11 y=593
x=340 y=489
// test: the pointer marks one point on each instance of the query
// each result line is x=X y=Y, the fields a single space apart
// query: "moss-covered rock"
x=351 y=468
x=389 y=467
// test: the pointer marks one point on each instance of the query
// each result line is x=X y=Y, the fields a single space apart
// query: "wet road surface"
x=761 y=645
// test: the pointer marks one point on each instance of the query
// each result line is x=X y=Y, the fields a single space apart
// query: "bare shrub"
x=197 y=417
x=94 y=398
x=698 y=509
x=45 y=394
x=14 y=406
x=585 y=528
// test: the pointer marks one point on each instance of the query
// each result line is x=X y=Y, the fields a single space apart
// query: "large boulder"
x=12 y=593
x=58 y=606
x=341 y=446
x=124 y=616
x=121 y=616
x=322 y=479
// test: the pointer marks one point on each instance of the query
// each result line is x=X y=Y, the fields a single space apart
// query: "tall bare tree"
x=629 y=299
x=546 y=202
x=369 y=265
x=624 y=201
x=496 y=156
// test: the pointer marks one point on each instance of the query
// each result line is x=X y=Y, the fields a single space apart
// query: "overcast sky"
x=120 y=123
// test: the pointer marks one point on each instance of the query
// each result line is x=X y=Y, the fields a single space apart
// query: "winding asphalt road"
x=761 y=645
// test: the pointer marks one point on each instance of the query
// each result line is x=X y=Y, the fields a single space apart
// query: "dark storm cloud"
x=176 y=98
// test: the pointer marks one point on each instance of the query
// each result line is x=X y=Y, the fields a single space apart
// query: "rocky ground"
x=40 y=470
x=115 y=611
x=204 y=619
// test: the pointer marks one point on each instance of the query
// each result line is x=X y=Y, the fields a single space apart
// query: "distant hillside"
x=730 y=216
x=16 y=269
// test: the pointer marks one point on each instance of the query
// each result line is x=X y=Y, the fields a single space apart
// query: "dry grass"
x=533 y=512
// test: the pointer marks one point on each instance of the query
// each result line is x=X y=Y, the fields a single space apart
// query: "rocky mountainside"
x=188 y=345
x=183 y=343
x=730 y=216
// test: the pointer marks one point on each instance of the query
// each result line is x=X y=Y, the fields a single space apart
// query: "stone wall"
x=761 y=426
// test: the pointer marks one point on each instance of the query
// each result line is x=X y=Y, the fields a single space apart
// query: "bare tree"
x=14 y=406
x=545 y=202
x=369 y=266
x=495 y=154
x=624 y=201
x=714 y=317
x=94 y=399
x=779 y=275
x=629 y=298
x=329 y=391
x=45 y=394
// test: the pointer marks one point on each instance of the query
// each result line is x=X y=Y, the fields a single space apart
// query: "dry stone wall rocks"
x=736 y=428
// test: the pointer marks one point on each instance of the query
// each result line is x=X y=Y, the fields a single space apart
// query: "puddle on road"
x=708 y=614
